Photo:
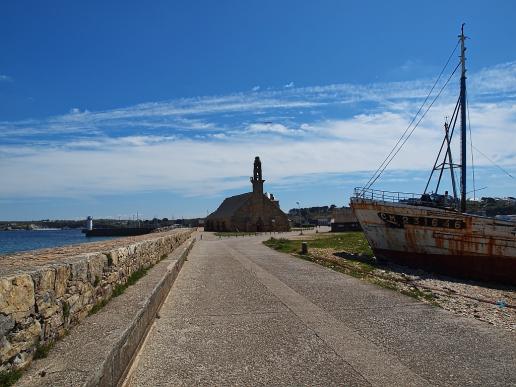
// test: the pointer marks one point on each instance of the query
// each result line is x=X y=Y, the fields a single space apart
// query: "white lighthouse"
x=89 y=223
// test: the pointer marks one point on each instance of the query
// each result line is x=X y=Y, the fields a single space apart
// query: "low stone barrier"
x=39 y=306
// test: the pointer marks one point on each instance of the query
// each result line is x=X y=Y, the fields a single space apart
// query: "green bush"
x=109 y=259
x=66 y=309
x=42 y=350
x=8 y=378
x=98 y=306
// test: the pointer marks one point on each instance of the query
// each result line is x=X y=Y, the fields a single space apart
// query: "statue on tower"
x=257 y=180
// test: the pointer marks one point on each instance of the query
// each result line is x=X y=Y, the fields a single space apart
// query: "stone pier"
x=46 y=292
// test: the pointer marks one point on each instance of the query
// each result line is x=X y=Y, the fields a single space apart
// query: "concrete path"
x=240 y=313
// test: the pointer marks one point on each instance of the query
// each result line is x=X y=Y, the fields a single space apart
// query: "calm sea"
x=14 y=241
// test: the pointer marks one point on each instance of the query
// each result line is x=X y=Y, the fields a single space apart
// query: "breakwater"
x=15 y=241
x=45 y=293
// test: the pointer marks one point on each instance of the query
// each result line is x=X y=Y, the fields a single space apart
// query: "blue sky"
x=109 y=108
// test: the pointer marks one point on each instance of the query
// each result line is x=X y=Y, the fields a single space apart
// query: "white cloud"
x=200 y=167
x=204 y=146
x=496 y=79
x=268 y=127
x=256 y=88
x=193 y=113
x=5 y=78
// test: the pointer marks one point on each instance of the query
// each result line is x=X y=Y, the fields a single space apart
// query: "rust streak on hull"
x=440 y=240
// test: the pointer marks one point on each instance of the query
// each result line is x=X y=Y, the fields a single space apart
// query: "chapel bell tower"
x=257 y=180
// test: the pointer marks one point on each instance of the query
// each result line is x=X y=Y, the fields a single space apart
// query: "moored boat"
x=435 y=231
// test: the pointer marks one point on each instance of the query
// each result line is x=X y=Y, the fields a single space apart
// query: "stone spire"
x=257 y=180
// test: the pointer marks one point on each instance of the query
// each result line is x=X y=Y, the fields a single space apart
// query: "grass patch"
x=118 y=290
x=42 y=350
x=66 y=309
x=349 y=242
x=8 y=378
x=284 y=245
x=98 y=306
x=419 y=294
x=133 y=278
x=109 y=259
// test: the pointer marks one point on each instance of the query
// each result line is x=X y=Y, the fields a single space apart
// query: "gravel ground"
x=491 y=303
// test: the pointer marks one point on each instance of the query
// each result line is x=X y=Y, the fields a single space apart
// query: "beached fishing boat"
x=435 y=231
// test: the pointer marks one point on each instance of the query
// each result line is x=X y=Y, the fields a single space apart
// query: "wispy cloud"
x=204 y=145
x=5 y=78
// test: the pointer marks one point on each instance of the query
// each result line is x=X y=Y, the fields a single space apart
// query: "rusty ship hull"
x=440 y=240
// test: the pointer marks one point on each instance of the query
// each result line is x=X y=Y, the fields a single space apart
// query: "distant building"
x=323 y=221
x=511 y=200
x=343 y=219
x=252 y=211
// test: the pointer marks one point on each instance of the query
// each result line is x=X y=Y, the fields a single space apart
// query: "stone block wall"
x=39 y=306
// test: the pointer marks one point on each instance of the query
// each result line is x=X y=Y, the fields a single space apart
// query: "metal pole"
x=463 y=121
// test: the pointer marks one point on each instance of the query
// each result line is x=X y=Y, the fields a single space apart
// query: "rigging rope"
x=369 y=184
x=414 y=128
x=496 y=165
x=471 y=150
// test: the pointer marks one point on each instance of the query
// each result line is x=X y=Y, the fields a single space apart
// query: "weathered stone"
x=82 y=313
x=79 y=269
x=61 y=280
x=30 y=334
x=83 y=287
x=5 y=349
x=6 y=324
x=20 y=341
x=51 y=326
x=85 y=298
x=44 y=279
x=113 y=277
x=131 y=249
x=72 y=300
x=107 y=291
x=117 y=256
x=46 y=304
x=43 y=302
x=96 y=264
x=17 y=295
x=22 y=360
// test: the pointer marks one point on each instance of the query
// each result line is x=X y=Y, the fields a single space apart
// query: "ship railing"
x=386 y=196
x=428 y=200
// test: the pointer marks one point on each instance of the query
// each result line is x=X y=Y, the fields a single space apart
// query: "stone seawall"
x=40 y=302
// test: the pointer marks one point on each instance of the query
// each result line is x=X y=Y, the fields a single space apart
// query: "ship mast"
x=463 y=121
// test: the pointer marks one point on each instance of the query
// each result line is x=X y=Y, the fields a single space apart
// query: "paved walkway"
x=240 y=313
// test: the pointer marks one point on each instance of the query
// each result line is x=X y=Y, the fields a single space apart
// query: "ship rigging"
x=434 y=231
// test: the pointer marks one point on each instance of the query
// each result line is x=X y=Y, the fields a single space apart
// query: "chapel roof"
x=230 y=205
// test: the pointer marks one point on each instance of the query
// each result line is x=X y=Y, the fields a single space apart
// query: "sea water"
x=20 y=240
